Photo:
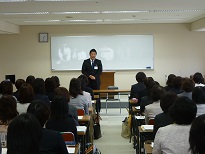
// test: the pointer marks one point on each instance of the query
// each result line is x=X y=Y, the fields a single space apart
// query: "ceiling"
x=65 y=12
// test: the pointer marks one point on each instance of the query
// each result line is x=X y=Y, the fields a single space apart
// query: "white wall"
x=177 y=50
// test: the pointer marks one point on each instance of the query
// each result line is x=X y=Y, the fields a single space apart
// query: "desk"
x=82 y=131
x=148 y=148
x=140 y=138
x=112 y=91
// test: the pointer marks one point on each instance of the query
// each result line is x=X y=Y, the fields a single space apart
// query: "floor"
x=111 y=141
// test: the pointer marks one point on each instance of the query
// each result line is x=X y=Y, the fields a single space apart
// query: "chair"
x=69 y=138
x=81 y=112
x=111 y=96
x=151 y=121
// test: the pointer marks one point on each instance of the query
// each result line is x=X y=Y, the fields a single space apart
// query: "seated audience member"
x=174 y=138
x=18 y=84
x=197 y=135
x=7 y=88
x=146 y=100
x=153 y=109
x=198 y=96
x=60 y=120
x=24 y=135
x=169 y=82
x=50 y=86
x=7 y=113
x=26 y=95
x=39 y=91
x=139 y=86
x=177 y=84
x=30 y=79
x=52 y=141
x=84 y=85
x=1 y=90
x=77 y=99
x=187 y=87
x=198 y=79
x=164 y=119
x=72 y=110
x=57 y=81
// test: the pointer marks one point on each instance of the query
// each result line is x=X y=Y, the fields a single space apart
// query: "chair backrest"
x=151 y=121
x=81 y=112
x=69 y=138
x=112 y=87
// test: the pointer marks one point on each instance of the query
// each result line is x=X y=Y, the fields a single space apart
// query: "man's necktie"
x=92 y=64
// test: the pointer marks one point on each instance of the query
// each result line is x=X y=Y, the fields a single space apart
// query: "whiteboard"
x=117 y=52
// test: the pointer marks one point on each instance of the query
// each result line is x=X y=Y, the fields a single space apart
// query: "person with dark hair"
x=92 y=68
x=7 y=87
x=77 y=99
x=139 y=86
x=39 y=90
x=198 y=79
x=30 y=79
x=50 y=86
x=174 y=138
x=57 y=80
x=169 y=82
x=197 y=135
x=198 y=96
x=60 y=120
x=177 y=84
x=187 y=87
x=26 y=95
x=18 y=84
x=146 y=100
x=164 y=119
x=52 y=141
x=8 y=112
x=84 y=83
x=153 y=109
x=72 y=110
x=24 y=135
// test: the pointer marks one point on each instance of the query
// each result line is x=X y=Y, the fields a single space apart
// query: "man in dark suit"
x=92 y=68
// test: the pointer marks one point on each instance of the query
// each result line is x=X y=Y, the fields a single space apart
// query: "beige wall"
x=177 y=50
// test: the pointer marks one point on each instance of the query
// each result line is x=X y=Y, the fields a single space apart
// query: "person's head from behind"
x=188 y=85
x=62 y=91
x=197 y=135
x=30 y=79
x=24 y=135
x=8 y=109
x=198 y=95
x=26 y=93
x=140 y=77
x=156 y=93
x=93 y=54
x=75 y=87
x=40 y=110
x=59 y=108
x=50 y=85
x=183 y=111
x=39 y=86
x=19 y=82
x=84 y=80
x=170 y=80
x=57 y=80
x=177 y=82
x=198 y=78
x=7 y=87
x=167 y=100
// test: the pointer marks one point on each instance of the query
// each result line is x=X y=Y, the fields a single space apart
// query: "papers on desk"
x=81 y=128
x=147 y=127
x=71 y=150
x=137 y=107
x=80 y=117
x=4 y=150
x=140 y=117
x=152 y=144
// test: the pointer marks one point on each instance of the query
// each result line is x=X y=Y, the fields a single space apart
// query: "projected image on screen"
x=118 y=52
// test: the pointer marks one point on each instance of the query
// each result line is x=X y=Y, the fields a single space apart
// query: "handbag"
x=97 y=131
x=125 y=128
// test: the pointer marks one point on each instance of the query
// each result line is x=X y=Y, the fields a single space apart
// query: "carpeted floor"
x=111 y=141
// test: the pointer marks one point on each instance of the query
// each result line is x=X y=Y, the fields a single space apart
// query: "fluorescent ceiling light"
x=25 y=13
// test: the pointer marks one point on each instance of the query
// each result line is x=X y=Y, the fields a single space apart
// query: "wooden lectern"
x=107 y=79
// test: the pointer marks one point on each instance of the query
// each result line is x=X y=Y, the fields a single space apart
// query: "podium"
x=107 y=79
